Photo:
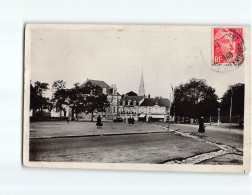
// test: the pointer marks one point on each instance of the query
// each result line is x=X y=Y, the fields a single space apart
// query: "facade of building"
x=154 y=109
x=144 y=108
x=129 y=106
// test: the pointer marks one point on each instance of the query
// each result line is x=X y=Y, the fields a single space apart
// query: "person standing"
x=132 y=121
x=129 y=120
x=201 y=125
x=98 y=123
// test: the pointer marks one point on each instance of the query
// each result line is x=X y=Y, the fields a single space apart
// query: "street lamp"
x=230 y=120
x=218 y=117
x=174 y=114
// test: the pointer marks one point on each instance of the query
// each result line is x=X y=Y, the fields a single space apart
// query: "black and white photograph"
x=137 y=97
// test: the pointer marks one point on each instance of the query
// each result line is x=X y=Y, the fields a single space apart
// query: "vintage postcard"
x=137 y=97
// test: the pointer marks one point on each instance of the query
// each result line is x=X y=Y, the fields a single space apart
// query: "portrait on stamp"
x=228 y=46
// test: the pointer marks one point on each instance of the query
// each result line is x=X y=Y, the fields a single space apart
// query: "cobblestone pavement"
x=197 y=159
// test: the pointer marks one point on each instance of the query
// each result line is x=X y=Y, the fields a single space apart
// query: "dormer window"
x=134 y=103
x=104 y=91
x=129 y=102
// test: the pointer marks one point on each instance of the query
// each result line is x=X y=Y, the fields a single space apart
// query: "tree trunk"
x=72 y=112
x=33 y=112
x=92 y=117
x=240 y=121
x=60 y=114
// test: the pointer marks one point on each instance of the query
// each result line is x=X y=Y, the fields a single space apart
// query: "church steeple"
x=141 y=87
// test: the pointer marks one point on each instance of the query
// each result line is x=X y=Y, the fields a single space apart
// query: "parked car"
x=118 y=119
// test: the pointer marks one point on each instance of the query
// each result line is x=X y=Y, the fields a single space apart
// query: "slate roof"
x=132 y=99
x=101 y=84
x=162 y=102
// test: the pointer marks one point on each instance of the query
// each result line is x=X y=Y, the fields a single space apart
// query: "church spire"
x=141 y=87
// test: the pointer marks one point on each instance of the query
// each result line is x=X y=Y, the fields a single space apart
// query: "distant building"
x=139 y=106
x=130 y=102
x=129 y=106
x=142 y=107
x=154 y=109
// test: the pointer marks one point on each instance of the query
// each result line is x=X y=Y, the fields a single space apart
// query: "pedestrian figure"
x=132 y=121
x=98 y=123
x=67 y=119
x=129 y=120
x=201 y=125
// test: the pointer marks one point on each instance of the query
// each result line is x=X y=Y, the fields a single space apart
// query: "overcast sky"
x=116 y=55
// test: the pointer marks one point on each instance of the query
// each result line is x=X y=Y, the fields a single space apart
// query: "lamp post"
x=169 y=114
x=230 y=113
x=231 y=104
x=218 y=117
x=174 y=114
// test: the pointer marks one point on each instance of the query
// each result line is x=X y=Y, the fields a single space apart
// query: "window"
x=134 y=103
x=123 y=103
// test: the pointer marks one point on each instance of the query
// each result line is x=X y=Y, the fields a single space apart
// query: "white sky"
x=168 y=55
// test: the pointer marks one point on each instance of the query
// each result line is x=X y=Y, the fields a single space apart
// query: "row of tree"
x=87 y=98
x=195 y=98
x=192 y=99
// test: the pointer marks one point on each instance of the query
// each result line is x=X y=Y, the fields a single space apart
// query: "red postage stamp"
x=228 y=46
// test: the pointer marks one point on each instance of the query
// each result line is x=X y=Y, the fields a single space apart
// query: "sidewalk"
x=216 y=134
x=214 y=127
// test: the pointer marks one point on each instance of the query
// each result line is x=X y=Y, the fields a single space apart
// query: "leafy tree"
x=37 y=99
x=194 y=99
x=237 y=93
x=131 y=93
x=76 y=99
x=60 y=96
x=88 y=98
x=95 y=100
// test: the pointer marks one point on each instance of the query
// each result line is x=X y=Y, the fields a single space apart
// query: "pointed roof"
x=141 y=86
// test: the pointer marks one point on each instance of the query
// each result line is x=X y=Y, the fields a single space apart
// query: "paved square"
x=118 y=143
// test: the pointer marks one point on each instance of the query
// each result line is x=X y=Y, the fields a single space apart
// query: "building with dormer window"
x=154 y=109
x=128 y=106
